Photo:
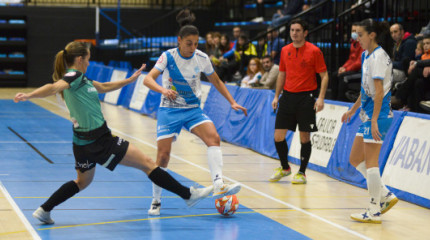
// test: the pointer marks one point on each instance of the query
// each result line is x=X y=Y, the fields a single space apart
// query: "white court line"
x=4 y=174
x=19 y=213
x=243 y=185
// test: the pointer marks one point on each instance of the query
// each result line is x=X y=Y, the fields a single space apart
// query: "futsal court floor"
x=36 y=159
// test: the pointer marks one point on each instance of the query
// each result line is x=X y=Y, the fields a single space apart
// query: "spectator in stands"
x=425 y=30
x=300 y=62
x=376 y=117
x=419 y=51
x=271 y=71
x=228 y=66
x=246 y=51
x=261 y=47
x=215 y=52
x=261 y=9
x=414 y=89
x=291 y=8
x=253 y=73
x=209 y=45
x=274 y=45
x=237 y=31
x=403 y=52
x=351 y=66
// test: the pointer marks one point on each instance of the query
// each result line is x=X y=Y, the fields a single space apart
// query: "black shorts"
x=107 y=151
x=297 y=108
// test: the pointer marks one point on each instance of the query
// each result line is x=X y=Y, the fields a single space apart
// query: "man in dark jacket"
x=291 y=8
x=403 y=52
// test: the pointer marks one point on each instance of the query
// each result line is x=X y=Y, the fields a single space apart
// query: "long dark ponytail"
x=382 y=31
x=185 y=18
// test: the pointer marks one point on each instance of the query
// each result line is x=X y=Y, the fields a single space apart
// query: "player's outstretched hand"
x=20 y=97
x=346 y=117
x=137 y=73
x=237 y=107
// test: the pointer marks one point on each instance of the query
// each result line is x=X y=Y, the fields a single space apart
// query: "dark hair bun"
x=185 y=17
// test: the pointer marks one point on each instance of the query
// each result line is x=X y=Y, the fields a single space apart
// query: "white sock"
x=215 y=165
x=362 y=169
x=156 y=190
x=374 y=187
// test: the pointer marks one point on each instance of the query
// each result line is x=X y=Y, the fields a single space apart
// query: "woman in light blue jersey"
x=376 y=116
x=92 y=139
x=180 y=104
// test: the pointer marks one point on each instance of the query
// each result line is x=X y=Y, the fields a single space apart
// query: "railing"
x=157 y=4
x=332 y=34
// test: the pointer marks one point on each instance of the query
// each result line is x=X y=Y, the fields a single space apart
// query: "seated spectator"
x=253 y=73
x=425 y=30
x=261 y=47
x=246 y=51
x=419 y=51
x=351 y=66
x=274 y=45
x=215 y=52
x=283 y=16
x=271 y=71
x=209 y=45
x=228 y=66
x=414 y=89
x=403 y=52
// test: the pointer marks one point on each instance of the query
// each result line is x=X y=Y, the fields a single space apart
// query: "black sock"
x=282 y=149
x=305 y=154
x=65 y=192
x=166 y=181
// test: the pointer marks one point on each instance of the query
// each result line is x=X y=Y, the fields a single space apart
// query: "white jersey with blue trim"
x=376 y=65
x=183 y=75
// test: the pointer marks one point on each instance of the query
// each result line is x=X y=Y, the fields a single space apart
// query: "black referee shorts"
x=297 y=108
x=107 y=151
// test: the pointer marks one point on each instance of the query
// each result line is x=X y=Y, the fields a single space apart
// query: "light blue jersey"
x=376 y=65
x=183 y=75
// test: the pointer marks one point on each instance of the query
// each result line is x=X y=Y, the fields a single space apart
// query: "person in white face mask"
x=351 y=66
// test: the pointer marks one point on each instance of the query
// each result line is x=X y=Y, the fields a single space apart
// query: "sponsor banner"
x=408 y=165
x=329 y=124
x=139 y=95
x=112 y=97
x=205 y=92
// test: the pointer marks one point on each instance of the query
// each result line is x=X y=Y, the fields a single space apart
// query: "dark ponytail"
x=382 y=31
x=185 y=18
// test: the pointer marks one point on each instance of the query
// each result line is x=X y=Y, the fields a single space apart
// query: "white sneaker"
x=367 y=217
x=226 y=190
x=198 y=194
x=388 y=202
x=43 y=216
x=154 y=210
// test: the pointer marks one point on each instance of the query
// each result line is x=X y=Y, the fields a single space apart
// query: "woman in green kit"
x=92 y=139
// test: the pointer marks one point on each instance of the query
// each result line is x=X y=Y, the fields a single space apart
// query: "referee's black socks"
x=305 y=154
x=282 y=149
x=65 y=192
x=166 y=181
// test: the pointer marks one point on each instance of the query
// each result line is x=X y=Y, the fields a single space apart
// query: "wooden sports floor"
x=115 y=205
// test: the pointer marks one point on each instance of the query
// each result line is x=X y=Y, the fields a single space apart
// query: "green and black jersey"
x=83 y=103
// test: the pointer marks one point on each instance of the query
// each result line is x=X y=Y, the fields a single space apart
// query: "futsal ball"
x=227 y=205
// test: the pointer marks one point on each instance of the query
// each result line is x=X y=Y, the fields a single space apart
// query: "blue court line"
x=41 y=179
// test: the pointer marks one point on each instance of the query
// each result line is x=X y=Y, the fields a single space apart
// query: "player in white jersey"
x=180 y=101
x=376 y=116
